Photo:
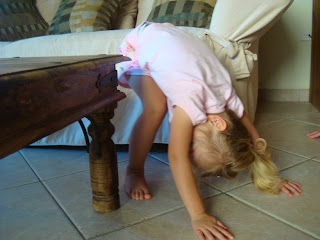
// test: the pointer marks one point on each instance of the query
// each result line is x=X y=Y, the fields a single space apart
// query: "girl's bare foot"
x=136 y=185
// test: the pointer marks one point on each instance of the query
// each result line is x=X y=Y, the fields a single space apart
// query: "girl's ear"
x=218 y=122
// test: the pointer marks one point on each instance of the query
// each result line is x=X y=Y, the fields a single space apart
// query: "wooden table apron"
x=36 y=103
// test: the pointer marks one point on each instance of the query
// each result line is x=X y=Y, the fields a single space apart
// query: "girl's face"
x=204 y=154
x=202 y=159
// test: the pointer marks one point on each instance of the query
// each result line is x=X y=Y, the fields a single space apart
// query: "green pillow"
x=20 y=19
x=84 y=16
x=183 y=13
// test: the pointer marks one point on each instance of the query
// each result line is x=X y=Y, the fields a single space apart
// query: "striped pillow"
x=84 y=16
x=20 y=19
x=183 y=13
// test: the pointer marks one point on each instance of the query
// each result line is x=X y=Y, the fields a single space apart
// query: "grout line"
x=295 y=165
x=214 y=187
x=63 y=210
x=273 y=216
x=225 y=191
x=271 y=122
x=30 y=165
x=302 y=121
x=293 y=153
x=285 y=151
x=138 y=222
x=123 y=160
x=315 y=160
x=158 y=159
x=234 y=188
x=149 y=218
x=52 y=196
x=19 y=185
x=45 y=179
x=318 y=156
x=65 y=175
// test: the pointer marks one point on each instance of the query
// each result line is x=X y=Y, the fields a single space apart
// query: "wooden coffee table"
x=39 y=96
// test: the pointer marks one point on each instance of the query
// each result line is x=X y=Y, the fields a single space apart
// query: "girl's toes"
x=137 y=195
x=147 y=196
x=141 y=195
x=134 y=195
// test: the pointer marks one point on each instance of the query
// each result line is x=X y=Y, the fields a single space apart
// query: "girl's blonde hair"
x=233 y=151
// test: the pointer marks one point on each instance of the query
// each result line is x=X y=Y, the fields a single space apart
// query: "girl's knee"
x=156 y=110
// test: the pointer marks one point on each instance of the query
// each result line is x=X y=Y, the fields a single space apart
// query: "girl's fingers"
x=224 y=232
x=295 y=183
x=217 y=233
x=209 y=235
x=286 y=191
x=291 y=187
x=296 y=187
x=293 y=190
x=221 y=224
x=200 y=235
x=314 y=134
x=311 y=133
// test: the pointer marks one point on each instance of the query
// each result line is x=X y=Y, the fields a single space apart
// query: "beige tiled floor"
x=45 y=193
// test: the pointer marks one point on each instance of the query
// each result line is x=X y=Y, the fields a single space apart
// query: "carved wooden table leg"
x=103 y=161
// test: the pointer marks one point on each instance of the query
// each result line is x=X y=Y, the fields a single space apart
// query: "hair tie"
x=264 y=144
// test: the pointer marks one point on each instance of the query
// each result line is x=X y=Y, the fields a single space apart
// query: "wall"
x=284 y=58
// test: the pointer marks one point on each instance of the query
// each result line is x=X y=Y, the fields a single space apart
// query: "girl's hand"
x=289 y=187
x=314 y=134
x=209 y=227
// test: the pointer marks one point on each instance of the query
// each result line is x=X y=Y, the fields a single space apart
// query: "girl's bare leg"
x=143 y=134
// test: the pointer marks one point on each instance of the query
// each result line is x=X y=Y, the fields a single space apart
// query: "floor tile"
x=28 y=212
x=14 y=171
x=73 y=193
x=50 y=163
x=243 y=222
x=290 y=136
x=265 y=118
x=282 y=159
x=317 y=158
x=161 y=156
x=302 y=212
x=285 y=109
x=313 y=117
x=268 y=112
x=122 y=156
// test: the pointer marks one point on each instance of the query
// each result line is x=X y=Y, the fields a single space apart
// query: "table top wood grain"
x=39 y=96
x=16 y=65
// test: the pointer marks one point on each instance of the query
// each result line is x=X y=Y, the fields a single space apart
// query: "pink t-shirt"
x=184 y=68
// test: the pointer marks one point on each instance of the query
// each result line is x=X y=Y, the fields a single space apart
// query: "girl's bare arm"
x=245 y=120
x=179 y=144
x=180 y=138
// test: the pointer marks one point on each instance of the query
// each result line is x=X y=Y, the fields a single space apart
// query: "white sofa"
x=234 y=34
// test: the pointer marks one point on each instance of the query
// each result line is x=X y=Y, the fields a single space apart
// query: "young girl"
x=173 y=71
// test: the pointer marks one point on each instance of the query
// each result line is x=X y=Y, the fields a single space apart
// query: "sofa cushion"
x=183 y=12
x=48 y=9
x=84 y=16
x=20 y=19
x=127 y=15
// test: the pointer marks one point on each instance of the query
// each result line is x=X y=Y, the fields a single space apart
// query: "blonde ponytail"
x=229 y=152
x=264 y=172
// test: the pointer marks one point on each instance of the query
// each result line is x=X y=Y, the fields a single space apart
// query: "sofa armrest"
x=246 y=20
